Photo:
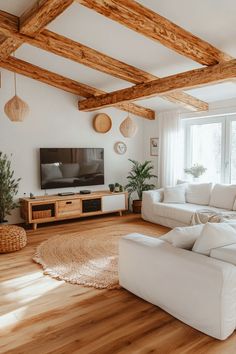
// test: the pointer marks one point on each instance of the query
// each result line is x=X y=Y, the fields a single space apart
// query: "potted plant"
x=8 y=188
x=196 y=171
x=111 y=187
x=137 y=181
x=117 y=187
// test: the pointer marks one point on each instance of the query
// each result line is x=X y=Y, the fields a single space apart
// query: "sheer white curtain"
x=171 y=153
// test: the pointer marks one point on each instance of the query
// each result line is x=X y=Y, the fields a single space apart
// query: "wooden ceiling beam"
x=8 y=46
x=10 y=40
x=31 y=23
x=66 y=84
x=152 y=25
x=40 y=15
x=9 y=24
x=183 y=81
x=67 y=48
x=82 y=54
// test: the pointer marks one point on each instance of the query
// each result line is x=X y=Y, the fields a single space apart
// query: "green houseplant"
x=138 y=179
x=195 y=171
x=8 y=187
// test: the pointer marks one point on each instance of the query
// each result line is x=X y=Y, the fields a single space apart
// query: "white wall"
x=55 y=121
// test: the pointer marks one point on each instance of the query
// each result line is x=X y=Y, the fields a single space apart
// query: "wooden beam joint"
x=183 y=81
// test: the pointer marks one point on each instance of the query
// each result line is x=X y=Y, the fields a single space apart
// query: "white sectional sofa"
x=220 y=198
x=196 y=289
x=190 y=272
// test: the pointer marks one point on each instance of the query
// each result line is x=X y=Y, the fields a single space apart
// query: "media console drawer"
x=68 y=207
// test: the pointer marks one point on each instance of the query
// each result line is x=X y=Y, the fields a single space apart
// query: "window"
x=211 y=142
x=233 y=152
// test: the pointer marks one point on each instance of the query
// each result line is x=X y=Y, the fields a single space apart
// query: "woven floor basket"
x=12 y=238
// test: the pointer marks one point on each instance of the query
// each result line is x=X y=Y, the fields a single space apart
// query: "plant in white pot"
x=195 y=171
x=138 y=179
x=8 y=188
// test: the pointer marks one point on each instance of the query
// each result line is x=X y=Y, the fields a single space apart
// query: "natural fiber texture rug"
x=88 y=258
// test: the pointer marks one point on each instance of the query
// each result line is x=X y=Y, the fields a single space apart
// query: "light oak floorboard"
x=40 y=315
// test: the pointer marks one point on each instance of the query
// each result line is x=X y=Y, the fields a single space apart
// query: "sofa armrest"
x=198 y=290
x=149 y=198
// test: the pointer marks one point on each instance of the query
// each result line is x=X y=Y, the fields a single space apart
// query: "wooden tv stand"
x=45 y=209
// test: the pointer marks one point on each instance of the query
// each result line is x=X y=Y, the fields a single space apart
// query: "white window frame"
x=228 y=139
x=226 y=121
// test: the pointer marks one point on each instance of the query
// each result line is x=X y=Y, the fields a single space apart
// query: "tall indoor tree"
x=8 y=187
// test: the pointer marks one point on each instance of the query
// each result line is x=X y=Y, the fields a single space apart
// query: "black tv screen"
x=71 y=167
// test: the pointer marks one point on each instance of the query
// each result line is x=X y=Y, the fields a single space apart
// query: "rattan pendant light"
x=16 y=109
x=128 y=128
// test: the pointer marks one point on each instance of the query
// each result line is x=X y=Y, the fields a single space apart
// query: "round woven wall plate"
x=102 y=123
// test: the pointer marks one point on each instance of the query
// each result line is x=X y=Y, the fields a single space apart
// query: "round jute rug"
x=88 y=258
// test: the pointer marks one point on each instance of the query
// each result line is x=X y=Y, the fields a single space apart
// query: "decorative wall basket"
x=16 y=109
x=128 y=128
x=102 y=123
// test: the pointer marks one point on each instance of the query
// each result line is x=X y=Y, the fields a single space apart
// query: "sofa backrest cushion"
x=223 y=196
x=183 y=237
x=214 y=236
x=199 y=193
x=175 y=194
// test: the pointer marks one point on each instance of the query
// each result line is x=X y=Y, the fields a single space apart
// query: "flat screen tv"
x=71 y=167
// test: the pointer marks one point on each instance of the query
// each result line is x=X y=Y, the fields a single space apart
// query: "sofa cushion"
x=175 y=194
x=231 y=222
x=199 y=193
x=226 y=253
x=183 y=237
x=223 y=196
x=181 y=212
x=213 y=236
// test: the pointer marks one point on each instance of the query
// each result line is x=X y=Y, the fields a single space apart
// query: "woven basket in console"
x=12 y=238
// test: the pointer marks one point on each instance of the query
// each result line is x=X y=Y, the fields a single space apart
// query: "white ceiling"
x=212 y=20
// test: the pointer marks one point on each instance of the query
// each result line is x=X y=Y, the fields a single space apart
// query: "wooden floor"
x=40 y=315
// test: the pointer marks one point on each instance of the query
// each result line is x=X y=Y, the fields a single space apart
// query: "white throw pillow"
x=175 y=194
x=199 y=193
x=223 y=196
x=213 y=236
x=226 y=253
x=183 y=237
x=158 y=195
